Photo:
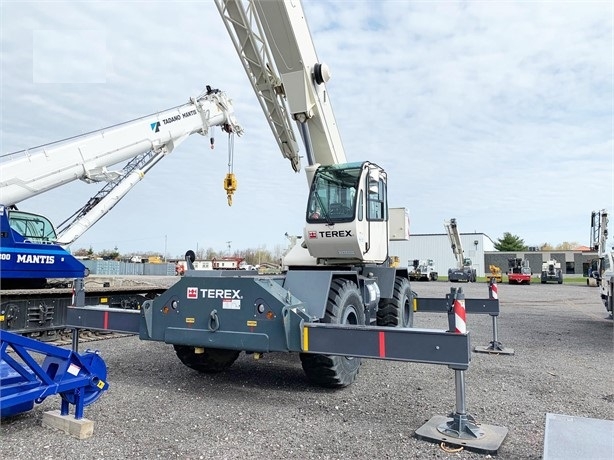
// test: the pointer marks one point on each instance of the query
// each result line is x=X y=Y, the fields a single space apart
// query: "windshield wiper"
x=322 y=209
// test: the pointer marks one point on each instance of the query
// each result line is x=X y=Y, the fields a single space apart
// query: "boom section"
x=599 y=231
x=274 y=45
x=455 y=242
x=31 y=172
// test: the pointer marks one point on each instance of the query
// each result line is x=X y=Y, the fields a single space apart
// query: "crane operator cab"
x=29 y=252
x=347 y=214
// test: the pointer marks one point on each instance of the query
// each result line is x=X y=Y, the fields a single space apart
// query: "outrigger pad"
x=488 y=444
x=494 y=350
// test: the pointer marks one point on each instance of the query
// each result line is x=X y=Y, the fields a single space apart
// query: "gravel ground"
x=158 y=408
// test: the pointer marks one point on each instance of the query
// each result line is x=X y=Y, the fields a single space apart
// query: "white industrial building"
x=437 y=247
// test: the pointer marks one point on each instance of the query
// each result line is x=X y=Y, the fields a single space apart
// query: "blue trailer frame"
x=79 y=379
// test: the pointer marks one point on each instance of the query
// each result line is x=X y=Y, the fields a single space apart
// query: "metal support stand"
x=462 y=425
x=488 y=306
x=495 y=347
x=75 y=340
x=610 y=299
x=460 y=428
x=78 y=300
x=463 y=431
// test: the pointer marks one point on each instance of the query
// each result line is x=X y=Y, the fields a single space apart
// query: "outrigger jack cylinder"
x=462 y=425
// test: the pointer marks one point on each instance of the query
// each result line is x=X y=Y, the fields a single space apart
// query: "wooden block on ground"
x=80 y=429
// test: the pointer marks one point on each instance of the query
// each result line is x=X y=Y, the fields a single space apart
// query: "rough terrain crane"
x=340 y=299
x=464 y=270
x=31 y=249
x=551 y=271
x=605 y=265
x=32 y=256
x=340 y=273
x=341 y=269
x=422 y=270
x=519 y=271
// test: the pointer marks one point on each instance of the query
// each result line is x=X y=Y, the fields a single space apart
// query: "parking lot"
x=158 y=408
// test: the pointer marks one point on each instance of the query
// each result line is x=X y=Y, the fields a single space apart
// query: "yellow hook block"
x=230 y=185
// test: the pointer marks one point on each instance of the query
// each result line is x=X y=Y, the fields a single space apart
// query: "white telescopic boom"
x=31 y=172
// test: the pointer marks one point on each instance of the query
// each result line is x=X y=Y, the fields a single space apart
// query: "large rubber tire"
x=213 y=360
x=399 y=310
x=344 y=306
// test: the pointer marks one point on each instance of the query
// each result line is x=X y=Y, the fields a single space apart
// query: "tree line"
x=513 y=243
x=252 y=256
x=261 y=255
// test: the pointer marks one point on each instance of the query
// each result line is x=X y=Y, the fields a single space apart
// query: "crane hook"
x=230 y=185
x=230 y=181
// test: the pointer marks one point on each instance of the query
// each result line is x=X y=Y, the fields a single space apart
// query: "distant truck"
x=551 y=271
x=422 y=270
x=519 y=271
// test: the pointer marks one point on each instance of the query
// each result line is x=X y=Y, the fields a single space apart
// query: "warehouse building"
x=572 y=262
x=480 y=248
x=437 y=247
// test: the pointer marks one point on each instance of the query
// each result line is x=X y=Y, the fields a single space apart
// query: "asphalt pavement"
x=563 y=363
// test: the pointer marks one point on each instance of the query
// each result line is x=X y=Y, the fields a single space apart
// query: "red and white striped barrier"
x=460 y=319
x=493 y=289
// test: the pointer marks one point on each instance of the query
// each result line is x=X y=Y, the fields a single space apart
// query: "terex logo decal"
x=225 y=294
x=192 y=293
x=330 y=234
x=155 y=127
x=336 y=234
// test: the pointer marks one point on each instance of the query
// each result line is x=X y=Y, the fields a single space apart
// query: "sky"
x=499 y=114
